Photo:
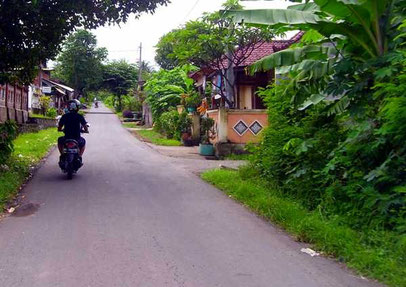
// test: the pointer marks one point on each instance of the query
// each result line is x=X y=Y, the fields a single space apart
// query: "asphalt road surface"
x=133 y=217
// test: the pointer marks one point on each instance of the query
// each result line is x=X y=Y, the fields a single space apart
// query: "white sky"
x=123 y=42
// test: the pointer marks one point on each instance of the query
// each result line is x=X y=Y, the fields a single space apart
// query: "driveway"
x=134 y=217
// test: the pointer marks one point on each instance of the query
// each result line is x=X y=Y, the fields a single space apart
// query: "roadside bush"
x=352 y=163
x=131 y=103
x=168 y=123
x=44 y=102
x=109 y=101
x=165 y=87
x=295 y=147
x=8 y=132
x=172 y=124
x=51 y=113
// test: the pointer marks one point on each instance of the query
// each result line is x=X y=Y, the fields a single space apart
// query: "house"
x=59 y=93
x=241 y=119
x=14 y=103
x=35 y=89
x=45 y=85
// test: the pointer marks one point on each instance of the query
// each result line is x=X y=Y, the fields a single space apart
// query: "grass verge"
x=38 y=116
x=156 y=138
x=379 y=255
x=130 y=125
x=29 y=149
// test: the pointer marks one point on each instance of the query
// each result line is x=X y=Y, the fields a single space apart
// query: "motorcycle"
x=96 y=104
x=70 y=161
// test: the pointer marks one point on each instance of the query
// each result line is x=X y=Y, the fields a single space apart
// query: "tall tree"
x=80 y=62
x=119 y=77
x=32 y=31
x=214 y=42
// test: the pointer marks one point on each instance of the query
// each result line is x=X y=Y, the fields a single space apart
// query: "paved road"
x=132 y=217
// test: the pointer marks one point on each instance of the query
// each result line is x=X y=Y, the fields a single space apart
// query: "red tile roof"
x=263 y=49
x=268 y=48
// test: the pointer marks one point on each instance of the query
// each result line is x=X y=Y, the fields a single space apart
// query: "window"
x=2 y=94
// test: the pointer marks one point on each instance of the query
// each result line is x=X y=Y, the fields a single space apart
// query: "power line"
x=123 y=51
x=191 y=10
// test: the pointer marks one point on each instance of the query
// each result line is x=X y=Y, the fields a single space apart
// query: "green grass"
x=29 y=149
x=376 y=254
x=156 y=138
x=237 y=157
x=39 y=116
x=130 y=125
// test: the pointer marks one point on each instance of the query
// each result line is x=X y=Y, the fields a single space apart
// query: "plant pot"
x=191 y=109
x=188 y=142
x=206 y=149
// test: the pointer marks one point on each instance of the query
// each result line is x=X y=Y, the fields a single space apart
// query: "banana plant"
x=347 y=28
x=364 y=22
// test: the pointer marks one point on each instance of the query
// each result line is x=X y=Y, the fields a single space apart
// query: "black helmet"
x=74 y=105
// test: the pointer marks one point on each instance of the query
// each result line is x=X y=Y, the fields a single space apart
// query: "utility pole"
x=140 y=69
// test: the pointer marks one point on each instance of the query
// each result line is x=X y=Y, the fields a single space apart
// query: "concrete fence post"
x=222 y=123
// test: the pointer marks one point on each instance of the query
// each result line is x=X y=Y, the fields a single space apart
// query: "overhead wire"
x=191 y=10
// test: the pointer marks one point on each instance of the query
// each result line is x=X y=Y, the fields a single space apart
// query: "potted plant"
x=192 y=101
x=185 y=124
x=207 y=131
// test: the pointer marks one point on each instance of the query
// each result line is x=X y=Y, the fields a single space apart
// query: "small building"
x=35 y=89
x=45 y=85
x=59 y=93
x=14 y=103
x=242 y=122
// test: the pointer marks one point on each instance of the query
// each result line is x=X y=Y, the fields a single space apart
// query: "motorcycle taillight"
x=70 y=145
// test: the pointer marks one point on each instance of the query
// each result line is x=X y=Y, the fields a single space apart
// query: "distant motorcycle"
x=96 y=104
x=70 y=162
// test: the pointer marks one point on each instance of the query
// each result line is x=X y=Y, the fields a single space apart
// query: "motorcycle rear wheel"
x=70 y=174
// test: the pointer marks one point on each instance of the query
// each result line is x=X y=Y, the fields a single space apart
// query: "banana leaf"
x=290 y=57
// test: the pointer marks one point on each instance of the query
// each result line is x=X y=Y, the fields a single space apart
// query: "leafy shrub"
x=8 y=132
x=168 y=123
x=109 y=101
x=44 y=102
x=172 y=124
x=51 y=113
x=350 y=163
x=206 y=129
x=128 y=114
x=193 y=100
x=164 y=89
x=295 y=147
x=131 y=103
x=184 y=123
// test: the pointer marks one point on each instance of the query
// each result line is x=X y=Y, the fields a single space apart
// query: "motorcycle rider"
x=71 y=124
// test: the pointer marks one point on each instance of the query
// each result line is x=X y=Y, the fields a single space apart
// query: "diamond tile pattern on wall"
x=240 y=128
x=256 y=127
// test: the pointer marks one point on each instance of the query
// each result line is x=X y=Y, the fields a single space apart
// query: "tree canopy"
x=165 y=87
x=119 y=77
x=80 y=62
x=212 y=41
x=31 y=31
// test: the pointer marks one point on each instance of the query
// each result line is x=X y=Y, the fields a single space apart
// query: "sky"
x=123 y=41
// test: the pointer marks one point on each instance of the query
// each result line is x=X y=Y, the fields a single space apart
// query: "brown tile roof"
x=268 y=48
x=263 y=49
